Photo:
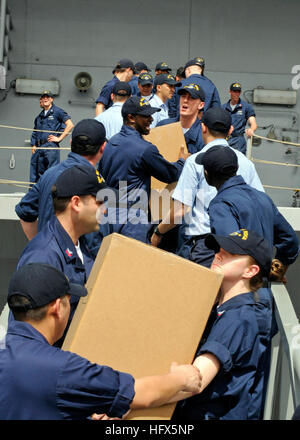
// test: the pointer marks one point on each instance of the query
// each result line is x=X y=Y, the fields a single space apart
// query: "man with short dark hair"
x=238 y=205
x=131 y=159
x=41 y=382
x=241 y=113
x=164 y=85
x=112 y=117
x=123 y=71
x=192 y=194
x=87 y=147
x=140 y=68
x=61 y=242
x=145 y=86
x=162 y=68
x=52 y=119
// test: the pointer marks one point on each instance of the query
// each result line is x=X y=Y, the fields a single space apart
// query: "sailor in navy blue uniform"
x=192 y=101
x=235 y=344
x=42 y=382
x=162 y=68
x=238 y=205
x=51 y=119
x=194 y=74
x=131 y=160
x=123 y=71
x=61 y=242
x=140 y=68
x=242 y=113
x=145 y=86
x=87 y=147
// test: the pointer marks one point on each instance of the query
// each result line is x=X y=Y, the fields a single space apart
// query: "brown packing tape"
x=145 y=309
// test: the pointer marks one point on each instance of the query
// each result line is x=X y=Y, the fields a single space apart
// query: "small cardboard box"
x=145 y=309
x=168 y=139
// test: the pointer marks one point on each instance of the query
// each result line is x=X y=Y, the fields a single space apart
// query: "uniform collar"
x=158 y=101
x=237 y=301
x=49 y=112
x=65 y=243
x=118 y=104
x=193 y=131
x=126 y=130
x=24 y=329
x=232 y=181
x=239 y=104
x=215 y=142
x=195 y=75
x=78 y=158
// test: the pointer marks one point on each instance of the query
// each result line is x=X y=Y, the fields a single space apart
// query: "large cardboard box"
x=169 y=139
x=145 y=309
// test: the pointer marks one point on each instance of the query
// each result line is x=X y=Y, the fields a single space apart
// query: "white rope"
x=276 y=140
x=274 y=163
x=37 y=148
x=281 y=187
x=30 y=129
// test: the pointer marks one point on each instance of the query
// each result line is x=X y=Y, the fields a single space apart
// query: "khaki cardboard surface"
x=169 y=139
x=145 y=309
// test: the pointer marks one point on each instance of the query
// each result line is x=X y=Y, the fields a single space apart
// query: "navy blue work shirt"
x=42 y=382
x=238 y=333
x=238 y=205
x=130 y=158
x=37 y=202
x=106 y=91
x=54 y=120
x=193 y=137
x=134 y=85
x=212 y=98
x=54 y=246
x=239 y=115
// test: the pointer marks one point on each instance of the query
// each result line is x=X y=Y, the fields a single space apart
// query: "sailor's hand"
x=182 y=153
x=191 y=377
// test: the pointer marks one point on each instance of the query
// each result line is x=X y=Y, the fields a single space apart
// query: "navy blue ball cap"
x=244 y=242
x=122 y=88
x=124 y=63
x=145 y=78
x=47 y=93
x=217 y=119
x=166 y=78
x=163 y=66
x=89 y=132
x=139 y=66
x=219 y=160
x=79 y=180
x=194 y=90
x=41 y=284
x=197 y=61
x=236 y=87
x=138 y=106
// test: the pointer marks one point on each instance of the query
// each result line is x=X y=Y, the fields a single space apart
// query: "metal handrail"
x=2 y=28
x=283 y=393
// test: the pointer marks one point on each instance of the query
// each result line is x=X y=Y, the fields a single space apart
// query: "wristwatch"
x=156 y=232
